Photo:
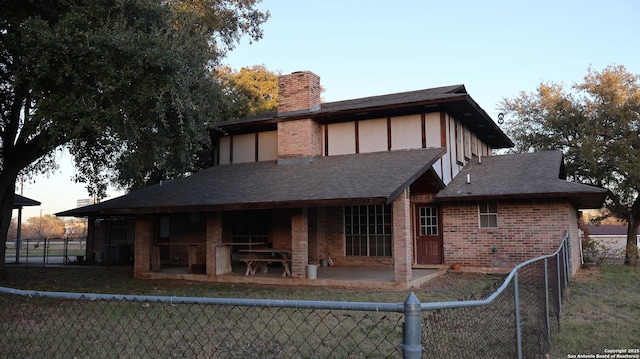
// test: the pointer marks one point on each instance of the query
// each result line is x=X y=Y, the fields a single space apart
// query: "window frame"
x=485 y=212
x=368 y=231
x=428 y=223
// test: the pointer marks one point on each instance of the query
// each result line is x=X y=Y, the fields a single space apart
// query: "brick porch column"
x=214 y=239
x=299 y=243
x=142 y=248
x=402 y=242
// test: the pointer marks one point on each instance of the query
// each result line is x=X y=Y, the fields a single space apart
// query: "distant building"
x=613 y=236
x=86 y=202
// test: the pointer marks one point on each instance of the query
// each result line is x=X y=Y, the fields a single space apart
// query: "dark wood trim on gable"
x=256 y=146
x=423 y=129
x=326 y=139
x=357 y=134
x=443 y=129
x=230 y=149
x=389 y=134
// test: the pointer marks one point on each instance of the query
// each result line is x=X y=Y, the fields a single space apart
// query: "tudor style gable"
x=304 y=128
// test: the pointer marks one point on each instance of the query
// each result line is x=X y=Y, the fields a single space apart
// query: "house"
x=399 y=181
x=610 y=238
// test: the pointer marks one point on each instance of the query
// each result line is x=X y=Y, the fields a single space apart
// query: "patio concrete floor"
x=335 y=276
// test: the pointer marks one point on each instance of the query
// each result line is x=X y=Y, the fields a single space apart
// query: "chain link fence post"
x=44 y=253
x=412 y=329
x=546 y=299
x=516 y=308
x=559 y=298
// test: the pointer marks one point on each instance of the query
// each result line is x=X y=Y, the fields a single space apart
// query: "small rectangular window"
x=488 y=214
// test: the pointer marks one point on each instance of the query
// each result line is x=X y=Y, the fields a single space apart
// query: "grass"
x=601 y=311
x=94 y=329
x=119 y=280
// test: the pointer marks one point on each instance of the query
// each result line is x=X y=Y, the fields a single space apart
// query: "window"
x=428 y=221
x=250 y=227
x=368 y=231
x=488 y=214
x=165 y=222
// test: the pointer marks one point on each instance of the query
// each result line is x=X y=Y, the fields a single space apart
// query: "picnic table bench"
x=260 y=258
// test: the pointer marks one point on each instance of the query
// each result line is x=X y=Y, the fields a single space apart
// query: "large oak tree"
x=124 y=85
x=253 y=90
x=596 y=124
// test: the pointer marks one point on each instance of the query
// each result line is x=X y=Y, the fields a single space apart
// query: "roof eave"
x=246 y=206
x=415 y=176
x=582 y=200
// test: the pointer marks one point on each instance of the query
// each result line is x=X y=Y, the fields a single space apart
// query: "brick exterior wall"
x=320 y=221
x=142 y=250
x=299 y=244
x=299 y=139
x=526 y=229
x=214 y=239
x=335 y=235
x=298 y=91
x=280 y=233
x=402 y=243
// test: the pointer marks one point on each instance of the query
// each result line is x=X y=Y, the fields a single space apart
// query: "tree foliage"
x=596 y=123
x=46 y=226
x=125 y=85
x=252 y=90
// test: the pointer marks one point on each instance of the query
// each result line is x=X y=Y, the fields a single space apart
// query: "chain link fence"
x=515 y=321
x=46 y=251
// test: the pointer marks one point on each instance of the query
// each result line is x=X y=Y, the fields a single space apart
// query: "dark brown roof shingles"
x=368 y=177
x=524 y=175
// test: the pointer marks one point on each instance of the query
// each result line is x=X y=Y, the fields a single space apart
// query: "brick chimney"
x=298 y=93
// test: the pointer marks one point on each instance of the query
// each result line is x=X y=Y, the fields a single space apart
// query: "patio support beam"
x=144 y=236
x=402 y=251
x=299 y=243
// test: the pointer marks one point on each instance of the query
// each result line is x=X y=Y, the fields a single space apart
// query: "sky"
x=366 y=48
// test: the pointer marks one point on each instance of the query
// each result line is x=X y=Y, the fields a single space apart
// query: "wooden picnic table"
x=261 y=257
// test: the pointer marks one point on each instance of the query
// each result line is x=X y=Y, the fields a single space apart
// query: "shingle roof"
x=525 y=175
x=375 y=178
x=395 y=98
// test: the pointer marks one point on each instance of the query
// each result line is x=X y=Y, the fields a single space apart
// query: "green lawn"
x=95 y=329
x=601 y=312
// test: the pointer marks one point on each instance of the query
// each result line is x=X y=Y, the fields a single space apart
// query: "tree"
x=253 y=90
x=76 y=227
x=125 y=85
x=46 y=226
x=597 y=126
